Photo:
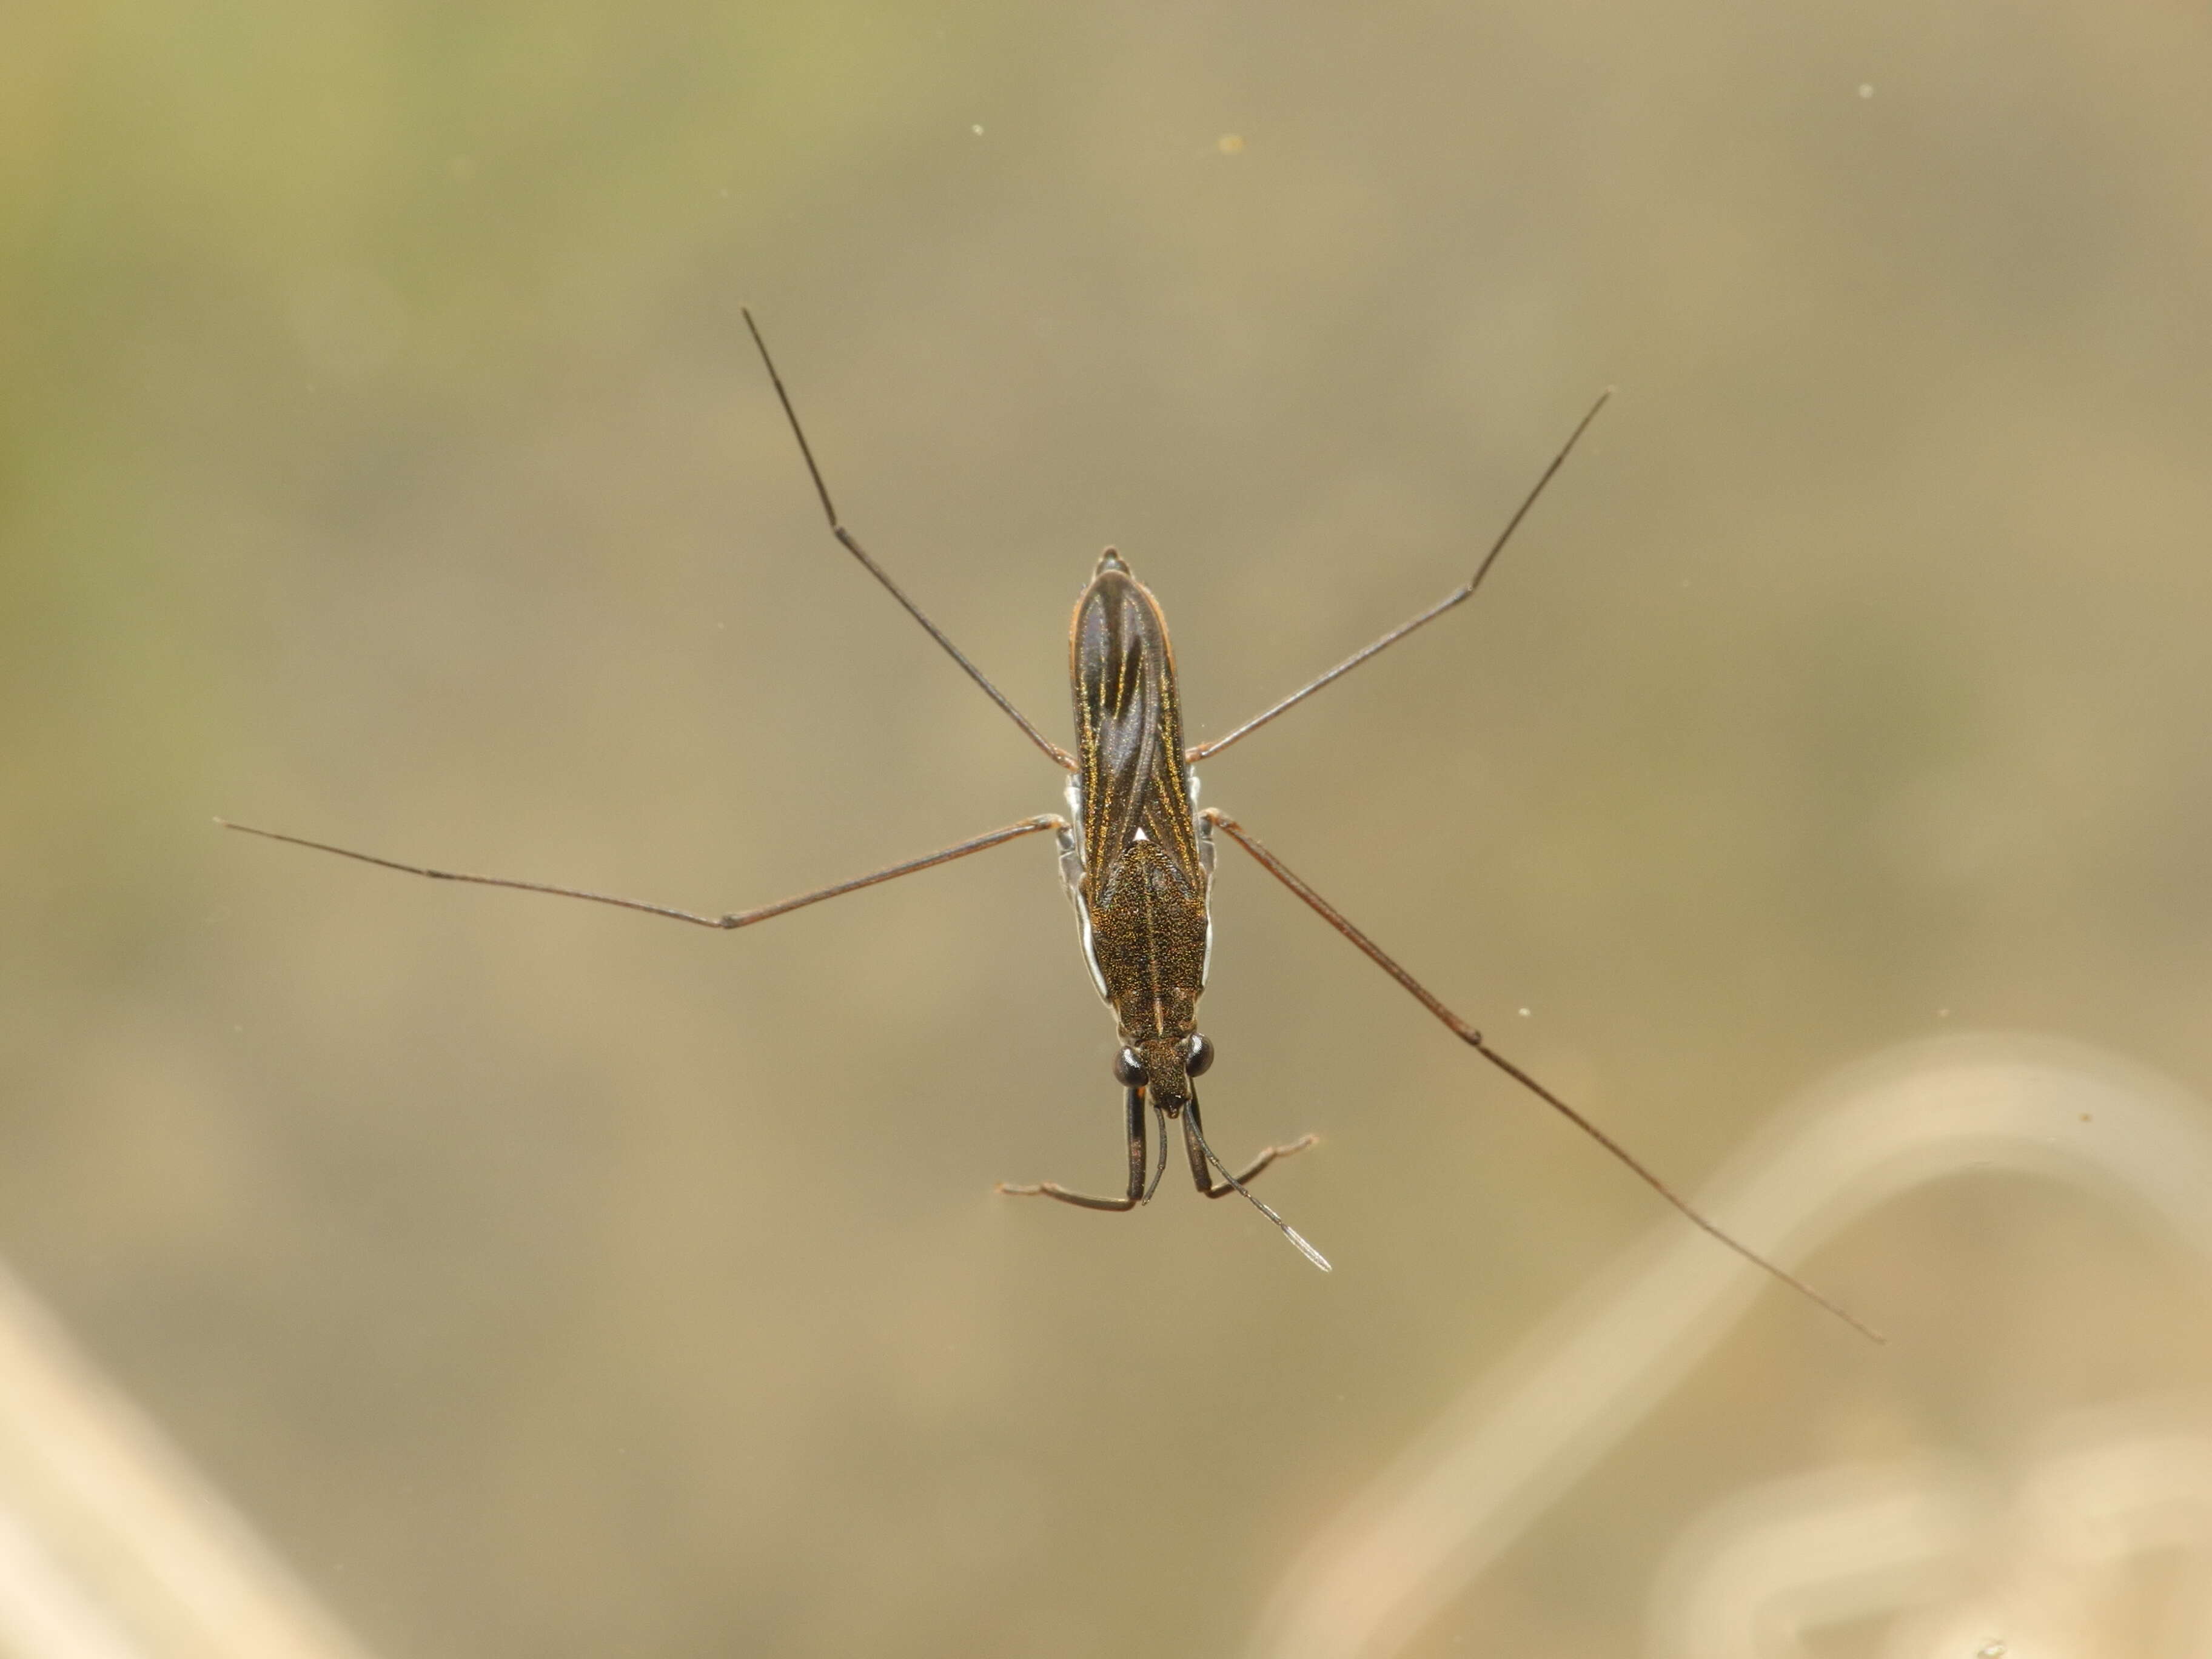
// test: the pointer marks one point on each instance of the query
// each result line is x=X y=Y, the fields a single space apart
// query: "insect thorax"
x=1180 y=935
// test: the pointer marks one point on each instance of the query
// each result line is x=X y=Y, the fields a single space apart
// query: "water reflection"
x=2026 y=1544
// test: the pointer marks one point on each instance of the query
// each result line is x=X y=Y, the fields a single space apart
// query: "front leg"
x=1194 y=1144
x=1134 y=1117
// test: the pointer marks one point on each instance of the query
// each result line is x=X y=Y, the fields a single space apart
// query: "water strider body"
x=1137 y=863
x=1137 y=854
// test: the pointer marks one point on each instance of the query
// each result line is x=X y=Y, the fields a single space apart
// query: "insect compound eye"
x=1128 y=1070
x=1197 y=1055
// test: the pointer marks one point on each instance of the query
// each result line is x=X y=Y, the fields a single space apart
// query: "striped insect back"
x=1147 y=864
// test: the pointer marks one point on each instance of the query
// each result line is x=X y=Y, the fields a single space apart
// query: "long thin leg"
x=852 y=545
x=1133 y=1119
x=1467 y=1034
x=1458 y=596
x=735 y=919
x=1202 y=1176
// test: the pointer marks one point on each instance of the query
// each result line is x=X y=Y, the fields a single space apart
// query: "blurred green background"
x=382 y=458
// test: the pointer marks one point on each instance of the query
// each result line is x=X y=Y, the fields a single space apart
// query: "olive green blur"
x=383 y=459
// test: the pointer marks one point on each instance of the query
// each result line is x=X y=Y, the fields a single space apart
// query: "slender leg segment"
x=1202 y=1176
x=1458 y=596
x=1193 y=1135
x=734 y=918
x=1201 y=1155
x=1467 y=1034
x=851 y=544
x=1133 y=1118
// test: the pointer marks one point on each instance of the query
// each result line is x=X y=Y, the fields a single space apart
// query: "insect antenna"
x=851 y=544
x=1160 y=1114
x=1190 y=1123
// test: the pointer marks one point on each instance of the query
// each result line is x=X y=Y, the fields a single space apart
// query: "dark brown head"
x=1164 y=1066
